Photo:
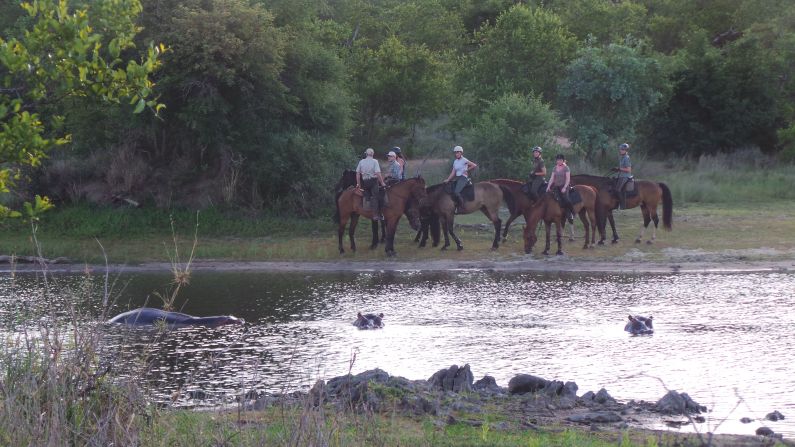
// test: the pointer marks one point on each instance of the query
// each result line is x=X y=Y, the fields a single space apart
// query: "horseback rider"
x=560 y=180
x=460 y=173
x=394 y=171
x=536 y=177
x=401 y=159
x=624 y=170
x=368 y=175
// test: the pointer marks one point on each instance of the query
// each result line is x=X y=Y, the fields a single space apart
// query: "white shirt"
x=460 y=166
x=369 y=168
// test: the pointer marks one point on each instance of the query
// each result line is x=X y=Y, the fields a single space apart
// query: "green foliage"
x=66 y=52
x=722 y=99
x=525 y=52
x=606 y=92
x=403 y=83
x=606 y=21
x=504 y=135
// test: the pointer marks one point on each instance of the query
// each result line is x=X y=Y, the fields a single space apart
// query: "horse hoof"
x=648 y=242
x=545 y=252
x=560 y=253
x=571 y=239
x=422 y=245
x=615 y=241
x=637 y=241
x=460 y=247
x=444 y=248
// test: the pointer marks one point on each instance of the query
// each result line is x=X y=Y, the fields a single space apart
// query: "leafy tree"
x=67 y=52
x=505 y=133
x=606 y=21
x=406 y=84
x=526 y=51
x=606 y=92
x=722 y=99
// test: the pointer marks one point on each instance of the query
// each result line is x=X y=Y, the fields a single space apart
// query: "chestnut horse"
x=518 y=202
x=439 y=204
x=548 y=210
x=400 y=196
x=649 y=195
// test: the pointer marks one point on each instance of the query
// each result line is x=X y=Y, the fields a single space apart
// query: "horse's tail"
x=336 y=217
x=435 y=229
x=507 y=194
x=668 y=206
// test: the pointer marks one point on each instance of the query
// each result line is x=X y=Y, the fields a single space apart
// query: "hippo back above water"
x=147 y=316
x=369 y=321
x=638 y=325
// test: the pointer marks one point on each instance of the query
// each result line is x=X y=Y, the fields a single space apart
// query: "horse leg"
x=546 y=247
x=443 y=221
x=559 y=236
x=497 y=228
x=507 y=225
x=571 y=233
x=584 y=220
x=592 y=218
x=601 y=223
x=646 y=219
x=656 y=222
x=612 y=225
x=450 y=226
x=352 y=231
x=341 y=232
x=383 y=231
x=374 y=243
x=391 y=227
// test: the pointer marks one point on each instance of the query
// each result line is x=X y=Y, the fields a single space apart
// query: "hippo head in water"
x=369 y=321
x=638 y=325
x=147 y=316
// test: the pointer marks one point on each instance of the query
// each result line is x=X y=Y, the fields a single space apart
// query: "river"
x=725 y=339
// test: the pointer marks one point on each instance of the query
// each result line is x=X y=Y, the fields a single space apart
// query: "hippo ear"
x=630 y=318
x=358 y=315
x=381 y=315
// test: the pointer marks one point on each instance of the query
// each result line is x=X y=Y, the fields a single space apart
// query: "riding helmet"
x=624 y=146
x=538 y=149
x=396 y=150
x=560 y=157
x=458 y=149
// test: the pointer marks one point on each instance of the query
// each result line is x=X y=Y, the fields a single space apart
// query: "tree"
x=606 y=21
x=505 y=133
x=526 y=51
x=67 y=52
x=404 y=83
x=606 y=92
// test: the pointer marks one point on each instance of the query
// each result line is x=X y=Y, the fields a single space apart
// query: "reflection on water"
x=717 y=337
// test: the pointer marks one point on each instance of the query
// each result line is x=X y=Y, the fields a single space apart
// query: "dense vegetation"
x=265 y=101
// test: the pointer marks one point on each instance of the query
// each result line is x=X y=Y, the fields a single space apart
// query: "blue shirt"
x=624 y=162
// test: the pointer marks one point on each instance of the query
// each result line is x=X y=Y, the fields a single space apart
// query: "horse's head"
x=413 y=214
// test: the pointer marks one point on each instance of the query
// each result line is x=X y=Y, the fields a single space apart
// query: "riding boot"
x=622 y=200
x=459 y=203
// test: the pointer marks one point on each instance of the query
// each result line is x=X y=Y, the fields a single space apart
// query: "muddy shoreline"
x=552 y=265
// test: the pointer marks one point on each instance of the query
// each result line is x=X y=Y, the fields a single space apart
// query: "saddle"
x=468 y=193
x=538 y=193
x=367 y=199
x=574 y=196
x=629 y=188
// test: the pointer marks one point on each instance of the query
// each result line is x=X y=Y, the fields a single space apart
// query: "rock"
x=598 y=417
x=764 y=431
x=603 y=397
x=676 y=403
x=774 y=416
x=453 y=379
x=526 y=383
x=488 y=383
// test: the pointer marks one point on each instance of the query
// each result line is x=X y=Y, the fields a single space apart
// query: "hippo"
x=369 y=321
x=146 y=316
x=638 y=325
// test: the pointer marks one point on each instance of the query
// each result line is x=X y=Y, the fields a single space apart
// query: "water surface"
x=722 y=338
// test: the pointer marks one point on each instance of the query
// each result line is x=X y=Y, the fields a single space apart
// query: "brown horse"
x=548 y=210
x=400 y=196
x=649 y=195
x=515 y=198
x=487 y=199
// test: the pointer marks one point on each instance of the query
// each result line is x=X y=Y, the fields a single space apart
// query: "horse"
x=349 y=179
x=548 y=210
x=515 y=198
x=400 y=196
x=649 y=195
x=487 y=198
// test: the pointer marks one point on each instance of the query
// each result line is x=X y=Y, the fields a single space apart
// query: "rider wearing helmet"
x=460 y=173
x=539 y=172
x=401 y=159
x=624 y=170
x=560 y=180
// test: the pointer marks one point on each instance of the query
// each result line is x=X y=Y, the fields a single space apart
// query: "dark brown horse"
x=487 y=199
x=515 y=199
x=548 y=210
x=649 y=195
x=400 y=196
